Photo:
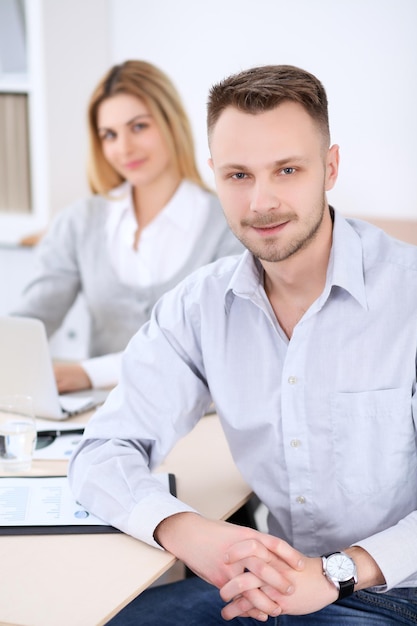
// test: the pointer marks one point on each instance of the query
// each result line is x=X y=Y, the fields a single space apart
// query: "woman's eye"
x=138 y=127
x=107 y=136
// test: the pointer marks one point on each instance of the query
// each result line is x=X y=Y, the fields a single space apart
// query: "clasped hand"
x=258 y=575
x=273 y=578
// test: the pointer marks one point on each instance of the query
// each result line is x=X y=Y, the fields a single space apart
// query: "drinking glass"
x=17 y=433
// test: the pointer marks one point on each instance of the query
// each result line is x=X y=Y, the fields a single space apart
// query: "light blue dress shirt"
x=322 y=426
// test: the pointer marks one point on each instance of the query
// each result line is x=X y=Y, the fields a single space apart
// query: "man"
x=307 y=345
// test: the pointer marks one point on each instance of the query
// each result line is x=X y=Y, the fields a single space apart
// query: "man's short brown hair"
x=264 y=88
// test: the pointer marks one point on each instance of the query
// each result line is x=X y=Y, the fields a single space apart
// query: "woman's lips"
x=134 y=164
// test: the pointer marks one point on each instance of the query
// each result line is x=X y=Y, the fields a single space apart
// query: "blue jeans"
x=192 y=602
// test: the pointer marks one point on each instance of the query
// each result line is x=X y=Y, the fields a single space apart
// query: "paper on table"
x=46 y=501
x=41 y=501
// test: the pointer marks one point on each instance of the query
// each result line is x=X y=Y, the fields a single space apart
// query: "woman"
x=150 y=222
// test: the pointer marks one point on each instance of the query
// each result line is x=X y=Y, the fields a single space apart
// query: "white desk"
x=84 y=580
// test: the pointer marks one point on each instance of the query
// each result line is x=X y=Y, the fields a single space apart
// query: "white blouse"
x=164 y=246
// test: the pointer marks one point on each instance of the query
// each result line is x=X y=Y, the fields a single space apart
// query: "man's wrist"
x=368 y=572
x=168 y=530
x=329 y=589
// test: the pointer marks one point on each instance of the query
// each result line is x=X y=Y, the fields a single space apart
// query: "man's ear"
x=210 y=162
x=332 y=166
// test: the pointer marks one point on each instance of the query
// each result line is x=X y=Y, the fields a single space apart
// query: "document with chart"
x=46 y=505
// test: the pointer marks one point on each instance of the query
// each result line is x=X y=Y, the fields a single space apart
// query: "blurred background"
x=364 y=51
x=53 y=52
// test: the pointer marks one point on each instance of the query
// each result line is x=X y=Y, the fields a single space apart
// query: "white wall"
x=75 y=54
x=364 y=51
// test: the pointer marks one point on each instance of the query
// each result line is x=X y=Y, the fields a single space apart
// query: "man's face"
x=272 y=170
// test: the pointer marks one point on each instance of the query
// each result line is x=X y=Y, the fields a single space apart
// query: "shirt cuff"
x=395 y=552
x=103 y=371
x=150 y=512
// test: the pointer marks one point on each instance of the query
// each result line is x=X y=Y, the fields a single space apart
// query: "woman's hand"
x=71 y=377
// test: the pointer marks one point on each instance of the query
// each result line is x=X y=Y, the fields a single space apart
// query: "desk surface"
x=83 y=580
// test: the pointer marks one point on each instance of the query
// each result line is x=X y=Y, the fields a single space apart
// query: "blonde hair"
x=145 y=81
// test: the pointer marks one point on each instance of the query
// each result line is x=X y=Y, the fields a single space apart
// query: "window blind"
x=15 y=196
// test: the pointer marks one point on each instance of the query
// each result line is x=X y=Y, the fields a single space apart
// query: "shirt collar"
x=246 y=281
x=179 y=210
x=119 y=203
x=121 y=196
x=345 y=269
x=181 y=207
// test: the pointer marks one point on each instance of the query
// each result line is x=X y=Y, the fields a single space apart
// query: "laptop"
x=26 y=368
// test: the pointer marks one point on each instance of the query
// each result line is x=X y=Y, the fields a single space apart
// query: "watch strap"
x=346 y=588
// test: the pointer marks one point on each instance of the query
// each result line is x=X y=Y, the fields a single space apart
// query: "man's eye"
x=239 y=175
x=286 y=171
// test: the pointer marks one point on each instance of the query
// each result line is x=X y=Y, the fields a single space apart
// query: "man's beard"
x=271 y=251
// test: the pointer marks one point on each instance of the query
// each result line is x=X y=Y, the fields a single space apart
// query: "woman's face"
x=132 y=142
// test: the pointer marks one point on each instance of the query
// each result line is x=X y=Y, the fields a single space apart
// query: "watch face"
x=340 y=567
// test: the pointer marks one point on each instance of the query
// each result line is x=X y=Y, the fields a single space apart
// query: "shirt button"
x=292 y=380
x=300 y=499
x=295 y=443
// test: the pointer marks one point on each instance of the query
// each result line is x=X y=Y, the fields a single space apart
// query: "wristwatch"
x=340 y=570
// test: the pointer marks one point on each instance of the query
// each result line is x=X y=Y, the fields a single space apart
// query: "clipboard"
x=45 y=505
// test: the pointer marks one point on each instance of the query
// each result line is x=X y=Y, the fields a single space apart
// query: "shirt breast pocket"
x=373 y=440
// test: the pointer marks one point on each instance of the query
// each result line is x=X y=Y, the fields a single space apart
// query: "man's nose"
x=264 y=197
